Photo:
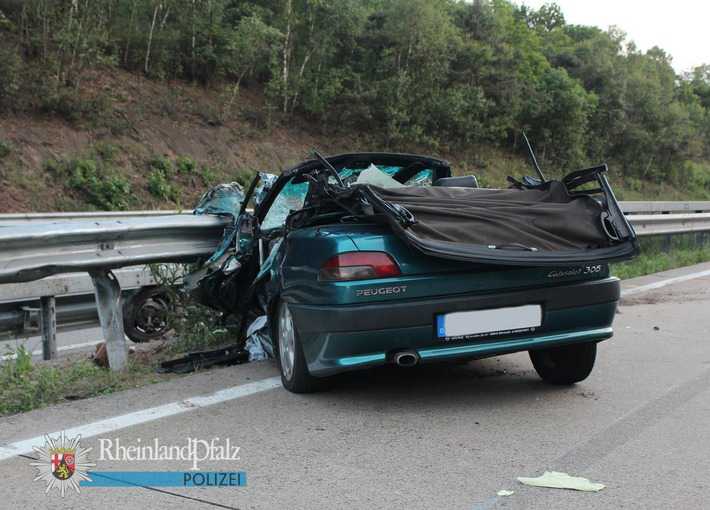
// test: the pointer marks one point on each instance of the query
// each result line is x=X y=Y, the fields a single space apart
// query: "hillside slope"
x=131 y=143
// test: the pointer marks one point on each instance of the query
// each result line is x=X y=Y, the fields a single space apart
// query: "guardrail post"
x=48 y=326
x=108 y=299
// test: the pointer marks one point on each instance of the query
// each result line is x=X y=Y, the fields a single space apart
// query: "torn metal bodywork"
x=359 y=258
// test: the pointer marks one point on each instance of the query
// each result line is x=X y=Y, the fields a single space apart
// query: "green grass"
x=5 y=149
x=659 y=254
x=25 y=385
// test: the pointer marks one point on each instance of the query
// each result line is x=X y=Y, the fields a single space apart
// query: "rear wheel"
x=567 y=364
x=292 y=363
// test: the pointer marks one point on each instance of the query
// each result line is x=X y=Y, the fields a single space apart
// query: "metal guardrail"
x=37 y=250
x=38 y=245
x=631 y=207
x=660 y=224
x=75 y=303
x=10 y=219
x=7 y=219
x=40 y=249
x=663 y=218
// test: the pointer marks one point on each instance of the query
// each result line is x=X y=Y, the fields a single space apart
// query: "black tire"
x=299 y=380
x=565 y=365
x=145 y=314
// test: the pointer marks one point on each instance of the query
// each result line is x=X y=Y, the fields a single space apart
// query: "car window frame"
x=275 y=191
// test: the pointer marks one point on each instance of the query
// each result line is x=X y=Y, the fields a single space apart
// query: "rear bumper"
x=345 y=337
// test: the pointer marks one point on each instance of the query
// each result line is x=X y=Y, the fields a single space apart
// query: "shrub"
x=161 y=163
x=106 y=151
x=185 y=165
x=196 y=327
x=5 y=149
x=208 y=175
x=159 y=186
x=697 y=175
x=10 y=76
x=99 y=183
x=69 y=105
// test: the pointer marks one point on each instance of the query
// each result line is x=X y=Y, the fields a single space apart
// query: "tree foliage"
x=442 y=73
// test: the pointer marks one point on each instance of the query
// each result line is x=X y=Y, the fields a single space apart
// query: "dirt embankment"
x=136 y=121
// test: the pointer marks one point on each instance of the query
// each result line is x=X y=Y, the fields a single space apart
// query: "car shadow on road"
x=499 y=381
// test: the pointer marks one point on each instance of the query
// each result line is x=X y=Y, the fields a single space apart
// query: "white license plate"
x=494 y=321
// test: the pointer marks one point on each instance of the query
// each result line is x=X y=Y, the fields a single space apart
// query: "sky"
x=680 y=27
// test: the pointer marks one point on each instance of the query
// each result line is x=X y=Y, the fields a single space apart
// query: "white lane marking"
x=146 y=415
x=663 y=283
x=60 y=349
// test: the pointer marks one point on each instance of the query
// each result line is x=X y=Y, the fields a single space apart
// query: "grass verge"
x=661 y=253
x=25 y=385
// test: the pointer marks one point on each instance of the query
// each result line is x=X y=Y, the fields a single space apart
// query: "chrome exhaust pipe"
x=406 y=358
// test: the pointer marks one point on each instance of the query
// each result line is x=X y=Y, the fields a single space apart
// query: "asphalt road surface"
x=444 y=437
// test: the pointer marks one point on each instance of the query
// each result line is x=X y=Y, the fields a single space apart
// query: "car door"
x=288 y=195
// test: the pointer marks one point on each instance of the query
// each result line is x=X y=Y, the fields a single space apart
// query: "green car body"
x=354 y=324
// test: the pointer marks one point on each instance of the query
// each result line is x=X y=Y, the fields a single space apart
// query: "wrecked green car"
x=367 y=259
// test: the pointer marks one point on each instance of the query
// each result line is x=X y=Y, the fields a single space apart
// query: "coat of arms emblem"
x=62 y=463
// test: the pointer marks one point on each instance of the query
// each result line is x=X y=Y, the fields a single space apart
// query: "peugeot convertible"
x=368 y=259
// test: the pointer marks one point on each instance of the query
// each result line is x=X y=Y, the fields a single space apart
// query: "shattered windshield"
x=291 y=198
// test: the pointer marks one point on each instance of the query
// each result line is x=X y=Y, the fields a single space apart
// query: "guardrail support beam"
x=48 y=326
x=108 y=299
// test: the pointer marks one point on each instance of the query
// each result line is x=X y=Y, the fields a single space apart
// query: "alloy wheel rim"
x=287 y=342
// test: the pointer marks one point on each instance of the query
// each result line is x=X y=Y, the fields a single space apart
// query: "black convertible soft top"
x=550 y=223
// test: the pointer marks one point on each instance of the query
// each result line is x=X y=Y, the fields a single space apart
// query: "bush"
x=185 y=165
x=67 y=104
x=208 y=175
x=697 y=176
x=106 y=151
x=98 y=182
x=196 y=327
x=10 y=77
x=5 y=149
x=159 y=186
x=161 y=163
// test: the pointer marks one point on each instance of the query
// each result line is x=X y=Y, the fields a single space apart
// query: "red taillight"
x=358 y=265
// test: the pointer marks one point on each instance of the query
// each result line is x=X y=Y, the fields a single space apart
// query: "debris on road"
x=504 y=492
x=557 y=480
x=257 y=335
x=231 y=355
